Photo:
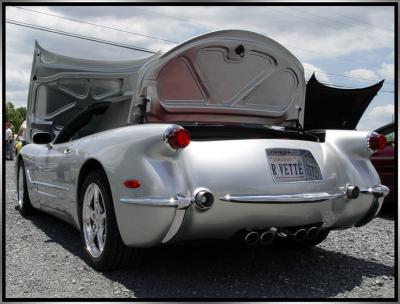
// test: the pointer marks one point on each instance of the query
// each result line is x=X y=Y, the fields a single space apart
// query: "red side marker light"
x=377 y=142
x=132 y=183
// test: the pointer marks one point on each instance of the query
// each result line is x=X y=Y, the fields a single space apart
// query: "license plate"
x=293 y=165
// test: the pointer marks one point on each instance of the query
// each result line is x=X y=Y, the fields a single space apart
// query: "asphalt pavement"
x=44 y=260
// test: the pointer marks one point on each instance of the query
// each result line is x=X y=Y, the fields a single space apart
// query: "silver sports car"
x=204 y=141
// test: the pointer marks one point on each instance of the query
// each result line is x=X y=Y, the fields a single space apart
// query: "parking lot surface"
x=44 y=259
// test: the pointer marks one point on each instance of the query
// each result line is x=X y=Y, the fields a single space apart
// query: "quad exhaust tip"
x=312 y=233
x=300 y=235
x=252 y=238
x=268 y=236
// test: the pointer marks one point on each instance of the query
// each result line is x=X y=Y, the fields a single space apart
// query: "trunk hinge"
x=139 y=112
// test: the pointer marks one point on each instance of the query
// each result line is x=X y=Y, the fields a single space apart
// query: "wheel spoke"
x=87 y=213
x=86 y=219
x=96 y=196
x=87 y=210
x=90 y=236
x=101 y=204
x=100 y=237
x=102 y=216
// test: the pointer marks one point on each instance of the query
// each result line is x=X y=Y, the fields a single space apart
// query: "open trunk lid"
x=228 y=76
x=61 y=87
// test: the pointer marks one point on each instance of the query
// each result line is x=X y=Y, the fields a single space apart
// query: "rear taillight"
x=376 y=141
x=177 y=137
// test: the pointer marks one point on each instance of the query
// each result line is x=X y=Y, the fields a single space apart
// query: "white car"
x=205 y=141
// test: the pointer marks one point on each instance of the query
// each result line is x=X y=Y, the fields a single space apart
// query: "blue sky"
x=356 y=43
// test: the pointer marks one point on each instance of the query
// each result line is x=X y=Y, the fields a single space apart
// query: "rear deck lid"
x=225 y=77
x=228 y=76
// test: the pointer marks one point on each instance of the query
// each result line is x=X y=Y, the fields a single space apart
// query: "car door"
x=53 y=180
x=58 y=175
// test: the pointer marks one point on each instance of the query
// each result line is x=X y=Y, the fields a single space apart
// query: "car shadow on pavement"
x=228 y=270
x=388 y=212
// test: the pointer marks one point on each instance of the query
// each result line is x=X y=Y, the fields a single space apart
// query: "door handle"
x=67 y=151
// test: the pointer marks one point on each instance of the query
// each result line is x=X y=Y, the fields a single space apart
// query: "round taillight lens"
x=377 y=142
x=177 y=137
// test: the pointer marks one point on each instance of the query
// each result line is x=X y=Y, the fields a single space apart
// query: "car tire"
x=290 y=243
x=25 y=207
x=102 y=244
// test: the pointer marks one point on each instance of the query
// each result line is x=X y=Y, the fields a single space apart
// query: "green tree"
x=15 y=115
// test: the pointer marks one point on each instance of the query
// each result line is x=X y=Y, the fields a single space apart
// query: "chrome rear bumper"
x=291 y=198
x=377 y=190
x=334 y=209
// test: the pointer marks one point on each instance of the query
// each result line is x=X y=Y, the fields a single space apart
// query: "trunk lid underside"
x=228 y=76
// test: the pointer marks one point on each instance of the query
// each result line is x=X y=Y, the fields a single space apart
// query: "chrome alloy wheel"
x=94 y=220
x=20 y=191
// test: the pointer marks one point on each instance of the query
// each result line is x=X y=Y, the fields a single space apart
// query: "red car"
x=383 y=160
x=337 y=108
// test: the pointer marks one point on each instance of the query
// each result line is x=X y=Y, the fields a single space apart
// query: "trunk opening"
x=243 y=131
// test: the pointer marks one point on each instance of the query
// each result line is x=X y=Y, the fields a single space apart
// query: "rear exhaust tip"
x=252 y=238
x=312 y=233
x=300 y=235
x=268 y=236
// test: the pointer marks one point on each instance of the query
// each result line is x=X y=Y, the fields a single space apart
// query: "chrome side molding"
x=377 y=190
x=180 y=201
x=48 y=185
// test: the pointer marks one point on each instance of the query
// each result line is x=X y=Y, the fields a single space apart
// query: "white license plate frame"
x=293 y=166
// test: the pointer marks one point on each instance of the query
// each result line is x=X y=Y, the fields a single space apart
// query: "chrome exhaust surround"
x=252 y=238
x=312 y=233
x=268 y=236
x=300 y=235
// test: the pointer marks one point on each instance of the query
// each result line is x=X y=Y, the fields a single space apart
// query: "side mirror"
x=42 y=138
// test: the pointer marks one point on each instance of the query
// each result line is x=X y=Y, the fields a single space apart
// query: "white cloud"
x=309 y=69
x=390 y=56
x=362 y=74
x=376 y=117
x=311 y=33
x=387 y=71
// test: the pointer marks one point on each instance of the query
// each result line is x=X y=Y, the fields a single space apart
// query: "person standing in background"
x=9 y=142
x=21 y=133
